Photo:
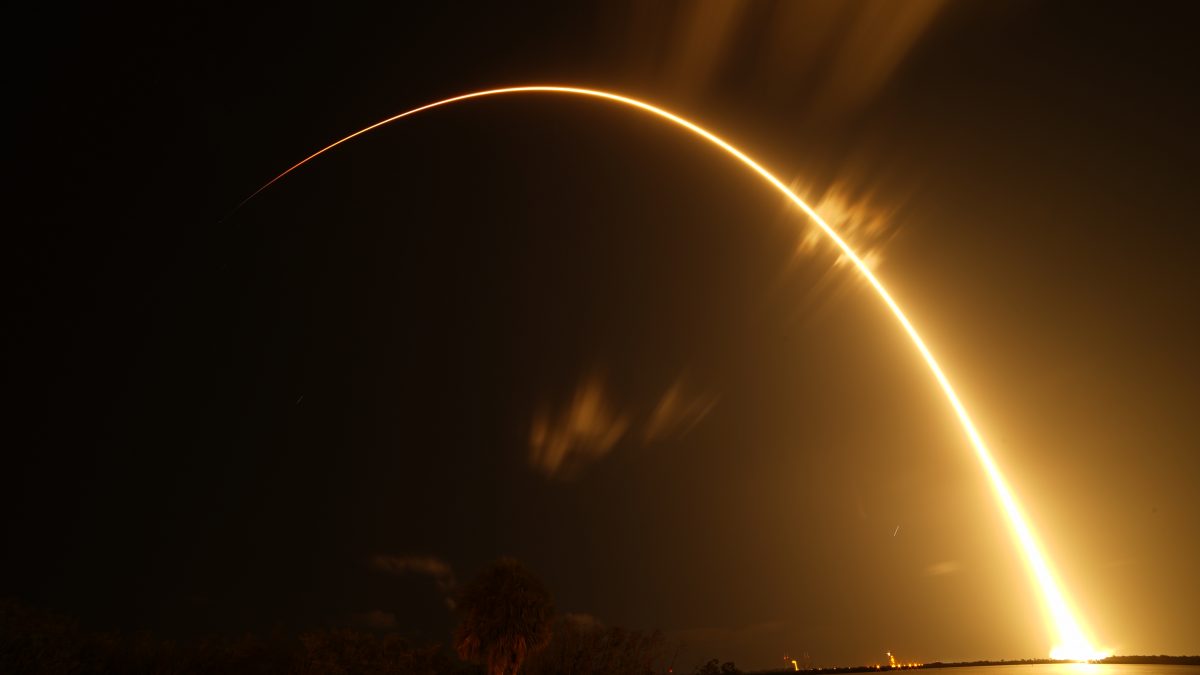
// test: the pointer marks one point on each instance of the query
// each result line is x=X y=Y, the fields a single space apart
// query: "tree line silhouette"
x=508 y=625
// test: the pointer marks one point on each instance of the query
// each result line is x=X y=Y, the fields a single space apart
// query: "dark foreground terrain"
x=42 y=643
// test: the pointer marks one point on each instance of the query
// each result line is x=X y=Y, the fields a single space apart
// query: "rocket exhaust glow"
x=1072 y=644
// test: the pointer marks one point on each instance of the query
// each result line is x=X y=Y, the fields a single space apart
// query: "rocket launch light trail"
x=1072 y=644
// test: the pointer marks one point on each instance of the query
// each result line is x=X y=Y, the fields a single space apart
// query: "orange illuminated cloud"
x=585 y=431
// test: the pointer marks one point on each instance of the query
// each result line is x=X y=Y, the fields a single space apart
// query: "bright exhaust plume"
x=1070 y=641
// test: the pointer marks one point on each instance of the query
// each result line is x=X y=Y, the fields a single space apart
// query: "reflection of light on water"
x=1069 y=669
x=1072 y=642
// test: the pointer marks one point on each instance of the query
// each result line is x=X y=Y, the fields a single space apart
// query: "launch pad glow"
x=1070 y=642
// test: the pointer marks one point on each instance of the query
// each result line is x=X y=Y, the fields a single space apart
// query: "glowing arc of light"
x=1073 y=645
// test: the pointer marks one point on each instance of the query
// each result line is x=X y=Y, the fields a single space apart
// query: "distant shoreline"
x=1161 y=659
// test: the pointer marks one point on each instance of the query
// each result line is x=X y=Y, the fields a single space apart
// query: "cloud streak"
x=859 y=218
x=434 y=568
x=838 y=54
x=677 y=413
x=585 y=431
x=591 y=425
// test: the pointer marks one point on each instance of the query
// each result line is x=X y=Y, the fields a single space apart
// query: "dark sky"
x=555 y=329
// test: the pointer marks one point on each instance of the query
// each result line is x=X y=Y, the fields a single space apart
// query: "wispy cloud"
x=865 y=223
x=677 y=412
x=591 y=424
x=860 y=216
x=878 y=34
x=434 y=568
x=586 y=430
x=839 y=54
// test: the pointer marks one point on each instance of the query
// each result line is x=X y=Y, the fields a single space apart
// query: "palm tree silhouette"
x=507 y=615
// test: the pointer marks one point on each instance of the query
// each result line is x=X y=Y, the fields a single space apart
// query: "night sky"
x=556 y=329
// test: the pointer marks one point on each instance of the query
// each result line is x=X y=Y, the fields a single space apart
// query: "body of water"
x=1071 y=669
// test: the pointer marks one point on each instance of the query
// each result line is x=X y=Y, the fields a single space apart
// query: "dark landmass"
x=1162 y=659
x=36 y=641
x=39 y=642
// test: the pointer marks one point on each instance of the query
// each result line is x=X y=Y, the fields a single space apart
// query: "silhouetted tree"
x=583 y=646
x=341 y=651
x=715 y=667
x=507 y=614
x=36 y=642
